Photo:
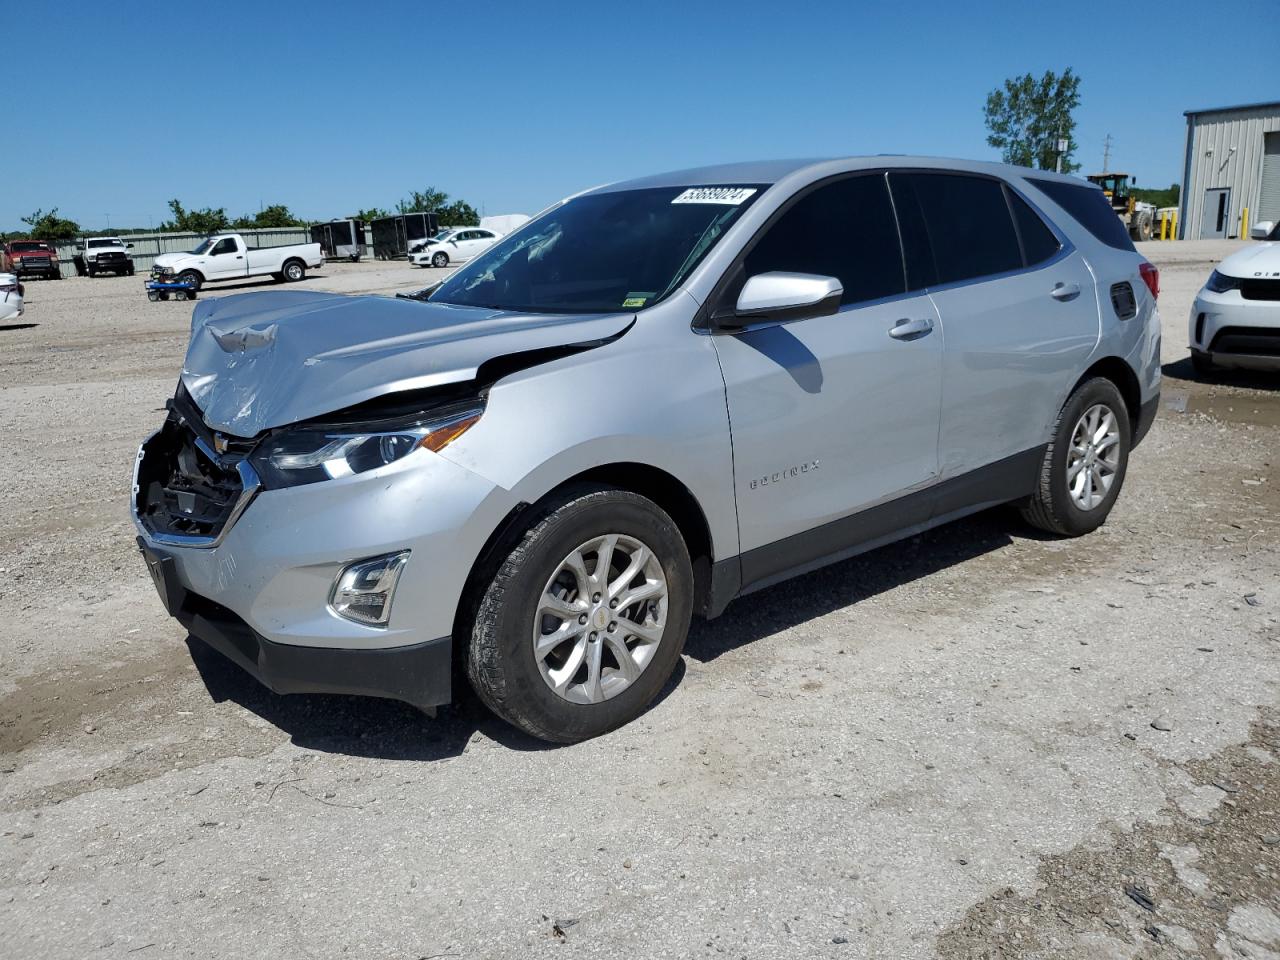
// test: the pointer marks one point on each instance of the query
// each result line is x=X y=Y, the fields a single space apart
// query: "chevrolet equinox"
x=654 y=397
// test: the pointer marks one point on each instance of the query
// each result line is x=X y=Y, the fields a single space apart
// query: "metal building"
x=1232 y=165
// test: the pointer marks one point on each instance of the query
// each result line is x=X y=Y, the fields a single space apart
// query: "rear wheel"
x=153 y=295
x=294 y=271
x=584 y=620
x=1085 y=463
x=191 y=279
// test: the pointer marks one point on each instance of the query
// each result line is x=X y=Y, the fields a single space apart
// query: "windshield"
x=105 y=243
x=600 y=253
x=28 y=246
x=204 y=247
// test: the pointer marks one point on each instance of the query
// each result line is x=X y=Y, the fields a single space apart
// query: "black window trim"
x=702 y=320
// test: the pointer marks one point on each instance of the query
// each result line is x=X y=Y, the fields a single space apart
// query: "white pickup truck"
x=225 y=256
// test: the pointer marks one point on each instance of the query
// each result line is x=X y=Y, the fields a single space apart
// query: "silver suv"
x=654 y=397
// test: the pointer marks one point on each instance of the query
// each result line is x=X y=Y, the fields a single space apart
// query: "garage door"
x=1269 y=206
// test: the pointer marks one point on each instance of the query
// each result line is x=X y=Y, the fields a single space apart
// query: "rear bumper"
x=417 y=674
x=1146 y=416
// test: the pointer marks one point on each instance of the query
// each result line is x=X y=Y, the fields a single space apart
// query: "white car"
x=454 y=246
x=1235 y=320
x=10 y=297
x=225 y=256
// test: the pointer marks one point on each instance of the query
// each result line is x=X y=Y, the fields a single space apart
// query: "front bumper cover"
x=418 y=674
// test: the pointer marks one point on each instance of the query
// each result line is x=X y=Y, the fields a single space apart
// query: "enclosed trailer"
x=393 y=236
x=340 y=239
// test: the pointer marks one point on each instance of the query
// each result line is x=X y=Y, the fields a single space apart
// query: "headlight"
x=307 y=455
x=1220 y=283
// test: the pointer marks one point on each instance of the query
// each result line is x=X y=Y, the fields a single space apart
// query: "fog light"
x=363 y=590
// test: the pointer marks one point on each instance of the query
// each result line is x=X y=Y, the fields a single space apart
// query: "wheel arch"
x=654 y=483
x=1124 y=377
x=198 y=273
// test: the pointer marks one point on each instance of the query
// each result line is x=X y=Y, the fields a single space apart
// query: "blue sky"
x=513 y=105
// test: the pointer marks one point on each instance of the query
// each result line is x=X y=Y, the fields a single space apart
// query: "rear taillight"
x=1151 y=277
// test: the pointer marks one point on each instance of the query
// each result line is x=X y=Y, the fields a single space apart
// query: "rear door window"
x=844 y=229
x=1090 y=207
x=966 y=221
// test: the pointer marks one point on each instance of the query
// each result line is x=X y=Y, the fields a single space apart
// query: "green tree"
x=50 y=226
x=424 y=201
x=208 y=220
x=274 y=216
x=1159 y=198
x=373 y=213
x=1027 y=117
x=459 y=214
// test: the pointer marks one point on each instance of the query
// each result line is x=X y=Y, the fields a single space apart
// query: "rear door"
x=1018 y=306
x=830 y=415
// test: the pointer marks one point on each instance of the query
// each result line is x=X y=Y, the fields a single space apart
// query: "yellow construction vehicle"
x=1137 y=215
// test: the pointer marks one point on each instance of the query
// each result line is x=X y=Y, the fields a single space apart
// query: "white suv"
x=1235 y=321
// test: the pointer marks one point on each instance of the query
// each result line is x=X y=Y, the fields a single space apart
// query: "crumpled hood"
x=170 y=259
x=262 y=360
x=1258 y=260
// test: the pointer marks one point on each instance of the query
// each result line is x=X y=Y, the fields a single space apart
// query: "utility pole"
x=1106 y=153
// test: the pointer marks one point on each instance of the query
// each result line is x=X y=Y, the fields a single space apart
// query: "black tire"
x=1051 y=507
x=440 y=259
x=180 y=295
x=500 y=660
x=356 y=258
x=153 y=295
x=191 y=279
x=90 y=271
x=1201 y=364
x=130 y=271
x=294 y=270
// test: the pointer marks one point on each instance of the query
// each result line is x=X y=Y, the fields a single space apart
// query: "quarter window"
x=1089 y=206
x=845 y=230
x=965 y=220
x=1038 y=241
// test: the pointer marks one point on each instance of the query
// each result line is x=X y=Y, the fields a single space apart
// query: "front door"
x=831 y=415
x=226 y=260
x=1214 y=220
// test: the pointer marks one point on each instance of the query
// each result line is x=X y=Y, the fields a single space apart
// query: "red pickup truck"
x=30 y=258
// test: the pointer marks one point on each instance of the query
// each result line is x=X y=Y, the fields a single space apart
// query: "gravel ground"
x=976 y=743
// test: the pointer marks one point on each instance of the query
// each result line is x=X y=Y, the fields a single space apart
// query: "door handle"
x=1065 y=291
x=906 y=329
x=239 y=258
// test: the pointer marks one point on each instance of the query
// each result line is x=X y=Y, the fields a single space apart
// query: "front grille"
x=1260 y=289
x=184 y=490
x=37 y=263
x=113 y=257
x=1257 y=341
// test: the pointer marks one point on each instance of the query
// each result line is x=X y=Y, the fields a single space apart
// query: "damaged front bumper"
x=251 y=571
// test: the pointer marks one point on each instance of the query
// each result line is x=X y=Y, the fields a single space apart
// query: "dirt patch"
x=1199 y=885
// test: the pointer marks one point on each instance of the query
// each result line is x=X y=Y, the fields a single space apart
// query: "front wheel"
x=585 y=619
x=440 y=259
x=1085 y=463
x=294 y=271
x=191 y=279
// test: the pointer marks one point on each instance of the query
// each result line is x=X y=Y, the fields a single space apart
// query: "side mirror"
x=129 y=245
x=1261 y=230
x=783 y=297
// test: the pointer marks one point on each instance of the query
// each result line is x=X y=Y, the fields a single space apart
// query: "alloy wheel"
x=600 y=619
x=1094 y=456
